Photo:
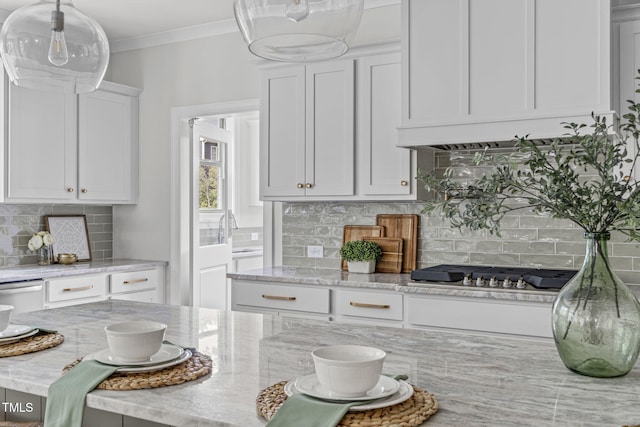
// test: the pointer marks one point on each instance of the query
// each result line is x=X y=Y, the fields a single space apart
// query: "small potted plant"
x=361 y=255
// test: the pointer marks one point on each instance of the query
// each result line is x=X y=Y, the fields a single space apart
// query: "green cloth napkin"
x=300 y=409
x=66 y=396
x=314 y=412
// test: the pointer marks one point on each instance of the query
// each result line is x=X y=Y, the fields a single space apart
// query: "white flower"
x=35 y=242
x=48 y=239
x=41 y=238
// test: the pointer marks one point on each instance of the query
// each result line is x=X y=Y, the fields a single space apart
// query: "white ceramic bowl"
x=135 y=341
x=5 y=316
x=348 y=370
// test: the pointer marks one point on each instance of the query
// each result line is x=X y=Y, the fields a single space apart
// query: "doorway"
x=193 y=228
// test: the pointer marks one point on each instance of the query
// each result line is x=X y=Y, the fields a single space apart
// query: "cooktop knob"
x=467 y=280
x=493 y=282
x=480 y=281
x=521 y=283
x=507 y=283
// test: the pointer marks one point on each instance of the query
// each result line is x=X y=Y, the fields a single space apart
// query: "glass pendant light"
x=51 y=45
x=298 y=30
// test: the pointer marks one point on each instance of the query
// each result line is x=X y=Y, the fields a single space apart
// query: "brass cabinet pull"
x=299 y=185
x=278 y=297
x=366 y=305
x=80 y=288
x=131 y=282
x=69 y=189
x=309 y=185
x=404 y=183
x=84 y=190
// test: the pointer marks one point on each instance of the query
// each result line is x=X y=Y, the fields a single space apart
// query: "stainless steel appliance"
x=529 y=278
x=23 y=296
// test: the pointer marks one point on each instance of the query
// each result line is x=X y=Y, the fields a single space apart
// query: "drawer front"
x=134 y=281
x=76 y=288
x=508 y=317
x=376 y=305
x=280 y=297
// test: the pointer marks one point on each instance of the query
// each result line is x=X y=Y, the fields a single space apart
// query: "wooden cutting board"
x=357 y=232
x=391 y=261
x=404 y=226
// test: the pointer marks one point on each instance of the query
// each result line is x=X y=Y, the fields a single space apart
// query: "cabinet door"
x=282 y=148
x=384 y=168
x=41 y=147
x=330 y=138
x=105 y=147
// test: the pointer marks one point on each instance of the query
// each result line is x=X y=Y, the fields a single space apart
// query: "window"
x=210 y=167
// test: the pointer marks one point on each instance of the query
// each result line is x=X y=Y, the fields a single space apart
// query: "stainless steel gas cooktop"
x=495 y=277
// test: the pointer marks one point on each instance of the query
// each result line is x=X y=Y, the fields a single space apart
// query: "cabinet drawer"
x=377 y=305
x=508 y=317
x=313 y=300
x=134 y=281
x=76 y=288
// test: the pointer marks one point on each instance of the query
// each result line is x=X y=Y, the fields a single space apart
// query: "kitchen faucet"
x=232 y=223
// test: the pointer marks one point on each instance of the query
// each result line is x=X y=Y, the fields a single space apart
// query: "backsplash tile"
x=19 y=222
x=526 y=239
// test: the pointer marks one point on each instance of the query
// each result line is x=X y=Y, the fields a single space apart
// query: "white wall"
x=202 y=71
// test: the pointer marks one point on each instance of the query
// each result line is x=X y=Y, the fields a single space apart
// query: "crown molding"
x=199 y=31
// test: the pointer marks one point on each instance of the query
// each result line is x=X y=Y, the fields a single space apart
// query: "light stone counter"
x=395 y=282
x=478 y=380
x=35 y=272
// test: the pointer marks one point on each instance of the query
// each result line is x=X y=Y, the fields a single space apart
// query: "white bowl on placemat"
x=135 y=341
x=5 y=316
x=348 y=370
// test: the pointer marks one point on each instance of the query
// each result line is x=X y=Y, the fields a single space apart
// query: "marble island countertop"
x=35 y=272
x=385 y=281
x=478 y=380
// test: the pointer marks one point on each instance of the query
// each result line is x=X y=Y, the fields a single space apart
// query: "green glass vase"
x=596 y=318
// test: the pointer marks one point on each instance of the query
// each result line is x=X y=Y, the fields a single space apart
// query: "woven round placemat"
x=410 y=413
x=195 y=367
x=31 y=344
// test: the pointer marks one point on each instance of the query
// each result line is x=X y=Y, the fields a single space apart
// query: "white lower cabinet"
x=260 y=297
x=395 y=308
x=135 y=286
x=480 y=314
x=384 y=308
x=139 y=285
x=61 y=292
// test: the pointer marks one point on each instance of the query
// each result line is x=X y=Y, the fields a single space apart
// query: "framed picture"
x=71 y=235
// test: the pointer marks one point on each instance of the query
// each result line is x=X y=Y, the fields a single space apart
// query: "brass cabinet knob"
x=299 y=185
x=84 y=190
x=309 y=185
x=404 y=183
x=69 y=189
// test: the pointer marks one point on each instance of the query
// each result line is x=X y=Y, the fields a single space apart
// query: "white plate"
x=310 y=385
x=32 y=332
x=167 y=353
x=15 y=330
x=129 y=369
x=403 y=394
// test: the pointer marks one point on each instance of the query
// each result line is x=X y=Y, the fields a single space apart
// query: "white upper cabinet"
x=69 y=148
x=41 y=150
x=307 y=131
x=107 y=144
x=329 y=131
x=481 y=71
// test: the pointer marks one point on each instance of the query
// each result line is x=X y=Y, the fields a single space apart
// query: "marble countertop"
x=34 y=272
x=478 y=380
x=385 y=281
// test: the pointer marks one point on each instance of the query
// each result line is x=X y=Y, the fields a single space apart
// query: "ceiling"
x=126 y=19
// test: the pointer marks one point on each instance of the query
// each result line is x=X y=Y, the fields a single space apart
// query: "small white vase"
x=361 y=266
